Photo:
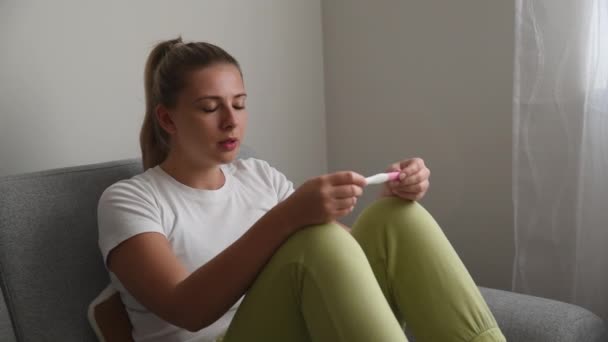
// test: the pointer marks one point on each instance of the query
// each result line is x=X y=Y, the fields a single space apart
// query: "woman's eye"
x=209 y=109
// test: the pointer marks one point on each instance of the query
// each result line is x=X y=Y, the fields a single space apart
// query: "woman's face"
x=210 y=110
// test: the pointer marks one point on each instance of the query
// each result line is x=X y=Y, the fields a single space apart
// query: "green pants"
x=397 y=268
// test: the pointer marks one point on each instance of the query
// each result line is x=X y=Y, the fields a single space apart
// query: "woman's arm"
x=150 y=271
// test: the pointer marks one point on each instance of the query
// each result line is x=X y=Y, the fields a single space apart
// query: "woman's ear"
x=165 y=120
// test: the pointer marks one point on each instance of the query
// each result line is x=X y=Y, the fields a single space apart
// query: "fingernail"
x=402 y=176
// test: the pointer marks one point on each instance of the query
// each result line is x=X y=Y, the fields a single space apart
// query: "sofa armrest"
x=533 y=319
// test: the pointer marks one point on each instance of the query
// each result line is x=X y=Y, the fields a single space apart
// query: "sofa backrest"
x=50 y=264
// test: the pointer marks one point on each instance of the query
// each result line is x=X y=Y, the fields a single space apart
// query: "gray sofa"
x=50 y=267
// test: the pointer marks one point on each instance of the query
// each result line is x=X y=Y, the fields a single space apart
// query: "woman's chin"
x=228 y=157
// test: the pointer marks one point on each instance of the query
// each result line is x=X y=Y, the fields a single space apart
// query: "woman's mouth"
x=229 y=144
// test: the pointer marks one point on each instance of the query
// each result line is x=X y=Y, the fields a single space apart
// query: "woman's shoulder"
x=140 y=186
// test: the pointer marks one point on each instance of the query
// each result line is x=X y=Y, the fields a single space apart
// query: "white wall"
x=71 y=77
x=433 y=79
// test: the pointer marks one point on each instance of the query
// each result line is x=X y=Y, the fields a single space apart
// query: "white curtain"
x=560 y=154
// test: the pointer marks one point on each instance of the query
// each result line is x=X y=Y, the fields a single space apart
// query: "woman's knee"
x=393 y=213
x=321 y=242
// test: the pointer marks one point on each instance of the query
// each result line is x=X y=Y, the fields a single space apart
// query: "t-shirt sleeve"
x=125 y=209
x=282 y=186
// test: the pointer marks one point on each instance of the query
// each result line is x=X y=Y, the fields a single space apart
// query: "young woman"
x=203 y=246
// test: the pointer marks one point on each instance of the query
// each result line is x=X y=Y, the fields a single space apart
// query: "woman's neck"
x=195 y=176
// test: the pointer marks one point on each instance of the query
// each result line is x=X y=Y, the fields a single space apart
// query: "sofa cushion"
x=108 y=317
x=50 y=264
x=534 y=319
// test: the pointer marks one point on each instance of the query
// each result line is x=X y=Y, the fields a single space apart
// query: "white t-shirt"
x=198 y=224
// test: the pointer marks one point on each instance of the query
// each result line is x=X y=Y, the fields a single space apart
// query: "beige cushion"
x=108 y=317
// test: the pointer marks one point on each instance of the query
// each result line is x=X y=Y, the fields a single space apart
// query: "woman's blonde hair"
x=164 y=77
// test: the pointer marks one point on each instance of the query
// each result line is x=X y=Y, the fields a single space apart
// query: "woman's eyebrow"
x=215 y=97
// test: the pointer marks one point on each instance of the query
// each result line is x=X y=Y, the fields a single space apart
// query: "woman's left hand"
x=413 y=181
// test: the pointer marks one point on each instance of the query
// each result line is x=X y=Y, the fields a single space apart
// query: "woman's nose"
x=229 y=119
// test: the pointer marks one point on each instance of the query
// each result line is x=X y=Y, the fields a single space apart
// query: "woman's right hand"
x=325 y=198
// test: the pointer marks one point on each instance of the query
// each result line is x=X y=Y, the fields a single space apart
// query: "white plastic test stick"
x=382 y=177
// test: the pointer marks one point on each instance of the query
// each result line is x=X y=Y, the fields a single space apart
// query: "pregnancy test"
x=382 y=177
